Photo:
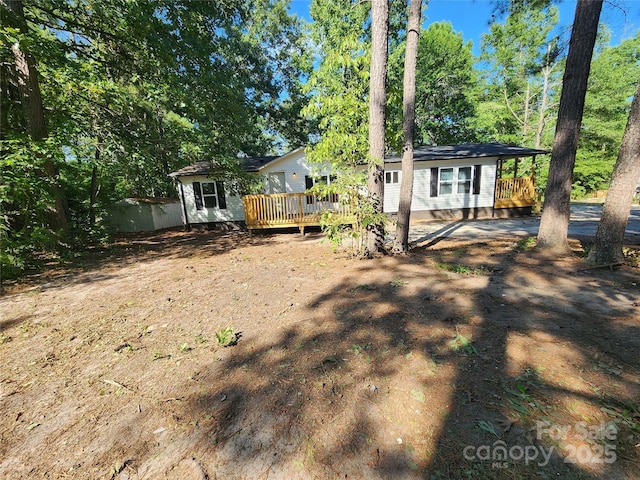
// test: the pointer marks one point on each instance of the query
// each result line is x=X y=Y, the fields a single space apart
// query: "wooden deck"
x=286 y=210
x=514 y=192
x=300 y=210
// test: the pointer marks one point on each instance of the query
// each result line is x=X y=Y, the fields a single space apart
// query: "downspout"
x=187 y=225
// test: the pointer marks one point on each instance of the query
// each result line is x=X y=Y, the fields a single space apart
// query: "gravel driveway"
x=583 y=223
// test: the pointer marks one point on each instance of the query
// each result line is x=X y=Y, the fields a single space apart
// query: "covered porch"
x=290 y=210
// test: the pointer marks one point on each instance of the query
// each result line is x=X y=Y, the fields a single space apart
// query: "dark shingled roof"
x=428 y=153
x=464 y=151
x=251 y=164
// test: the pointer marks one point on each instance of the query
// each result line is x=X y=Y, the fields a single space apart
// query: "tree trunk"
x=527 y=114
x=33 y=111
x=401 y=242
x=93 y=189
x=377 y=104
x=615 y=214
x=546 y=74
x=554 y=224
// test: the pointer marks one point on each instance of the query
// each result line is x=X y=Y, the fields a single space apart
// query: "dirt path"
x=409 y=367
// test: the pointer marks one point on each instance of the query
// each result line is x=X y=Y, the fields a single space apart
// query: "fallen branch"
x=115 y=384
x=610 y=266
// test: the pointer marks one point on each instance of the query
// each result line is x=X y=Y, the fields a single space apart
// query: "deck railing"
x=514 y=192
x=281 y=210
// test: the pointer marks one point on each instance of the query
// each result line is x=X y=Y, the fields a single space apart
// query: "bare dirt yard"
x=464 y=359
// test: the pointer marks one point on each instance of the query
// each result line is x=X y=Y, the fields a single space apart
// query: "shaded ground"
x=427 y=366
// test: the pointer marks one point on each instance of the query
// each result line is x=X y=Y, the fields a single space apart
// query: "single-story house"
x=450 y=181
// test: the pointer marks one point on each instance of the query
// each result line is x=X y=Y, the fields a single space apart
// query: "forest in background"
x=133 y=90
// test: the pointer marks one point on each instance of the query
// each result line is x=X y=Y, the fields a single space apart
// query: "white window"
x=209 y=195
x=446 y=181
x=391 y=177
x=456 y=180
x=464 y=180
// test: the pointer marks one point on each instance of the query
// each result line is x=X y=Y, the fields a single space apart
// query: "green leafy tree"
x=135 y=90
x=522 y=61
x=605 y=114
x=339 y=89
x=445 y=82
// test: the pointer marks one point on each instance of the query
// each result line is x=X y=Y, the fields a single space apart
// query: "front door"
x=276 y=183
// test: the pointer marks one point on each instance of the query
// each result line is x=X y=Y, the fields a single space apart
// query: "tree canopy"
x=135 y=90
x=445 y=87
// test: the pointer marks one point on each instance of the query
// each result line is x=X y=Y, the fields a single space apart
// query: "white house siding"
x=422 y=199
x=295 y=168
x=233 y=213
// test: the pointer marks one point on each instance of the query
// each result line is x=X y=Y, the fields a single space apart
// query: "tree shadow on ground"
x=7 y=323
x=98 y=263
x=394 y=375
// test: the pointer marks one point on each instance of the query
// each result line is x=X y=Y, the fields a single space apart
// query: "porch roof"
x=466 y=151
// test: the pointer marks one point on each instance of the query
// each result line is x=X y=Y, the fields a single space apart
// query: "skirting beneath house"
x=468 y=213
x=220 y=226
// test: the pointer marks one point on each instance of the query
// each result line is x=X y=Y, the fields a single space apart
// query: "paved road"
x=583 y=223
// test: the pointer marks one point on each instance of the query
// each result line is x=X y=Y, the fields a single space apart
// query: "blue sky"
x=471 y=17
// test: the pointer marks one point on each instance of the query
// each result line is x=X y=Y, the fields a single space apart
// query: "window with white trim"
x=464 y=180
x=209 y=195
x=392 y=177
x=455 y=180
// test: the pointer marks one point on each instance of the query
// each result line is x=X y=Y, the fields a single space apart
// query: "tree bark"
x=93 y=188
x=377 y=105
x=624 y=180
x=33 y=111
x=554 y=224
x=546 y=74
x=401 y=242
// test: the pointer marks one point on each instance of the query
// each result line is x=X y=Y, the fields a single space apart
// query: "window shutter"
x=476 y=179
x=308 y=183
x=434 y=182
x=197 y=193
x=222 y=199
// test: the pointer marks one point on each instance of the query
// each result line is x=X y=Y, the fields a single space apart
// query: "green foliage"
x=339 y=105
x=517 y=55
x=614 y=73
x=445 y=81
x=460 y=343
x=25 y=203
x=135 y=90
x=526 y=243
x=226 y=337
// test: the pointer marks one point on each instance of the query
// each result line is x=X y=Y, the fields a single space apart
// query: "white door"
x=276 y=182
